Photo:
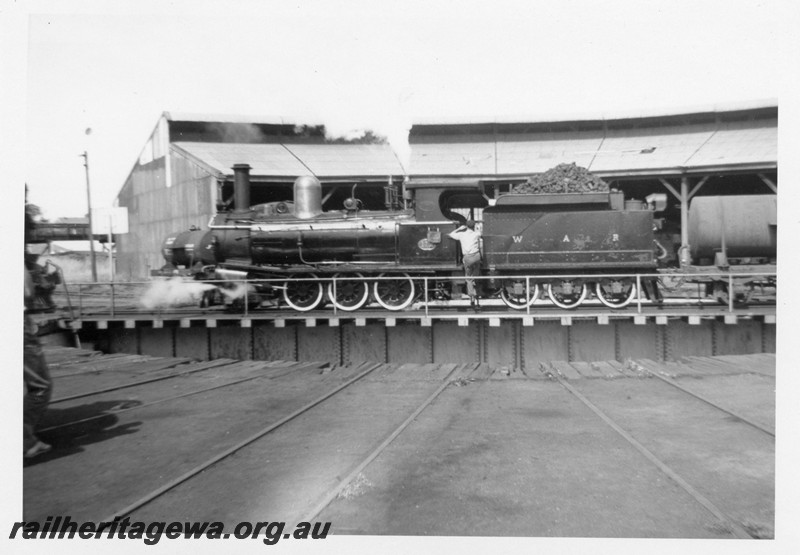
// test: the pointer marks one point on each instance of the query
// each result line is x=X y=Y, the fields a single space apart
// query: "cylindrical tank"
x=190 y=247
x=745 y=224
x=307 y=197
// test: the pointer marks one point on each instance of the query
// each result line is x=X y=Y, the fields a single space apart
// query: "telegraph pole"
x=89 y=201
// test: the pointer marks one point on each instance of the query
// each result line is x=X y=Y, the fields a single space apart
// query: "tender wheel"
x=514 y=295
x=567 y=293
x=394 y=294
x=303 y=295
x=615 y=293
x=349 y=294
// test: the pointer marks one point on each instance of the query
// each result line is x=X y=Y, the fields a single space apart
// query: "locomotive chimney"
x=307 y=197
x=241 y=187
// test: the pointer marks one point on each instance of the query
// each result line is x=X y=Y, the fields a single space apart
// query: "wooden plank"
x=564 y=369
x=464 y=371
x=506 y=372
x=116 y=363
x=110 y=356
x=482 y=372
x=67 y=365
x=142 y=366
x=667 y=369
x=586 y=369
x=736 y=363
x=393 y=370
x=534 y=371
x=442 y=371
x=412 y=371
x=57 y=355
x=763 y=364
x=509 y=372
x=112 y=381
x=712 y=365
x=612 y=369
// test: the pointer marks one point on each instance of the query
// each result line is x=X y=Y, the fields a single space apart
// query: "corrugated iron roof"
x=291 y=160
x=738 y=143
x=523 y=155
x=264 y=159
x=453 y=159
x=629 y=151
x=336 y=160
x=640 y=149
x=649 y=148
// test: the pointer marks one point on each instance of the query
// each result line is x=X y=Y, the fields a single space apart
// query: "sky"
x=115 y=67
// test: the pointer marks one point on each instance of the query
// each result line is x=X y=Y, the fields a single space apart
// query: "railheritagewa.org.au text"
x=151 y=533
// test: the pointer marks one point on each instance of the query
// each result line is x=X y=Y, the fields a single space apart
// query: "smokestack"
x=241 y=187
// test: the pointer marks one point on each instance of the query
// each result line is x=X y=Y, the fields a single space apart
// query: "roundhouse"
x=185 y=170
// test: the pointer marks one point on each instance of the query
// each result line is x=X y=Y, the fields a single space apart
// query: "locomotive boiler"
x=355 y=254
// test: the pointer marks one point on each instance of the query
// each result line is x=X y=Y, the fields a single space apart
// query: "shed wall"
x=155 y=210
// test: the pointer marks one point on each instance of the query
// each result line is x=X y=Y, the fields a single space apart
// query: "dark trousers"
x=38 y=385
x=472 y=267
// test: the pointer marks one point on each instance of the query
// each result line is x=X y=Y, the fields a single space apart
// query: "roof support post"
x=769 y=183
x=670 y=188
x=684 y=257
x=697 y=187
x=683 y=198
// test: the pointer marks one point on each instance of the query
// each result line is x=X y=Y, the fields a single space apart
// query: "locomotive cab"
x=439 y=208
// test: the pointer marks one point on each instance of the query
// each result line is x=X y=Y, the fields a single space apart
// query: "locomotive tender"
x=565 y=239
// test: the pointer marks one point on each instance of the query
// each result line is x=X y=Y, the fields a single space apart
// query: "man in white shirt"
x=471 y=249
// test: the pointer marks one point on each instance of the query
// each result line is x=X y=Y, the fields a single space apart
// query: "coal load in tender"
x=564 y=178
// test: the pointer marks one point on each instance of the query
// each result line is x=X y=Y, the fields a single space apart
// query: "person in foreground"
x=38 y=385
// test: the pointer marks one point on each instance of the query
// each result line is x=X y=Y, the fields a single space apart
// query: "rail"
x=168 y=294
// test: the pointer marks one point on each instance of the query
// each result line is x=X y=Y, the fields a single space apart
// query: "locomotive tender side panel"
x=600 y=239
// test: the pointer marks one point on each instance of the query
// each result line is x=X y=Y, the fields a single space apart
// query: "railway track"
x=302 y=458
x=729 y=523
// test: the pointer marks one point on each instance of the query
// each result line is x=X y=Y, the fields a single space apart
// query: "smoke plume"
x=173 y=292
x=389 y=122
x=237 y=132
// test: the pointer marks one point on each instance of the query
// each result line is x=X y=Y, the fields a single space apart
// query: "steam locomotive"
x=575 y=243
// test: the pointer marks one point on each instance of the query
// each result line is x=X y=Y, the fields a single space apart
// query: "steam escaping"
x=174 y=292
x=233 y=291
x=397 y=135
